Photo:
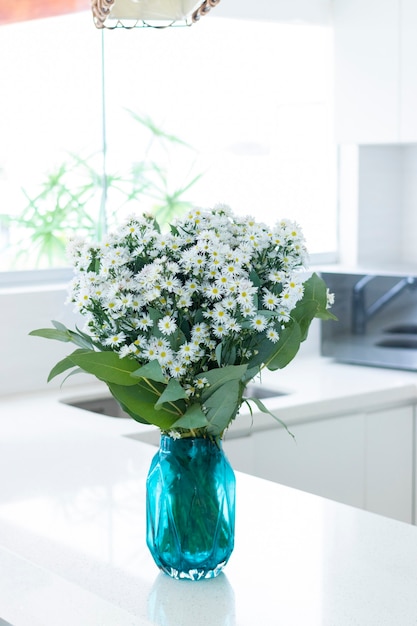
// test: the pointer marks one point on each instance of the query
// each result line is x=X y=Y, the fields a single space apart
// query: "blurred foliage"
x=78 y=196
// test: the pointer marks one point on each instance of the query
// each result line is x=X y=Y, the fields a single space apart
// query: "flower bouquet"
x=178 y=323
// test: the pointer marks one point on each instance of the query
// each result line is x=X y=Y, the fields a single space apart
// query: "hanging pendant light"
x=154 y=13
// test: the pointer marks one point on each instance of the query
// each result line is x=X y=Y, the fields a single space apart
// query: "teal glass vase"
x=190 y=508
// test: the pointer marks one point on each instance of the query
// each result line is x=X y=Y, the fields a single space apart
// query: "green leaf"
x=226 y=353
x=218 y=353
x=106 y=366
x=139 y=402
x=222 y=406
x=254 y=278
x=304 y=313
x=156 y=130
x=176 y=339
x=286 y=348
x=76 y=370
x=81 y=340
x=62 y=333
x=151 y=370
x=52 y=333
x=61 y=367
x=59 y=325
x=263 y=408
x=172 y=392
x=193 y=418
x=313 y=304
x=220 y=375
x=326 y=314
x=264 y=351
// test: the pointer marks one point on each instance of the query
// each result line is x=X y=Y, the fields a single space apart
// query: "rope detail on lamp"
x=155 y=13
x=101 y=10
x=204 y=9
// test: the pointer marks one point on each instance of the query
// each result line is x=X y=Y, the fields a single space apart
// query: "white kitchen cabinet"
x=388 y=471
x=367 y=70
x=325 y=458
x=364 y=459
x=375 y=71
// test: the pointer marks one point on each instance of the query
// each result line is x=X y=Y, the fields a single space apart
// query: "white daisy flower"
x=259 y=323
x=145 y=322
x=219 y=314
x=115 y=340
x=201 y=382
x=187 y=352
x=167 y=325
x=233 y=326
x=272 y=335
x=177 y=369
x=200 y=331
x=270 y=300
x=219 y=331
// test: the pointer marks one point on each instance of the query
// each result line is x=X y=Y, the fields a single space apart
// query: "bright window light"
x=230 y=111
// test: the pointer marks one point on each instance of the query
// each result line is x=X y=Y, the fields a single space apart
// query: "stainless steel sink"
x=398 y=342
x=402 y=329
x=107 y=405
x=377 y=319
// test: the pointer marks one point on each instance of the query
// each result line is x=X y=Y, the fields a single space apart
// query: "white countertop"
x=72 y=524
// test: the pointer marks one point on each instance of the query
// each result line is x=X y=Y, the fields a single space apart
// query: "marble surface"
x=72 y=526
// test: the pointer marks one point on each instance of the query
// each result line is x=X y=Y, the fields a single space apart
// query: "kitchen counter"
x=72 y=523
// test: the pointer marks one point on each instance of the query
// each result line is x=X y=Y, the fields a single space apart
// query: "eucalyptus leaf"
x=73 y=372
x=263 y=408
x=313 y=304
x=80 y=339
x=192 y=419
x=59 y=325
x=176 y=339
x=286 y=348
x=151 y=370
x=139 y=403
x=52 y=333
x=264 y=351
x=173 y=391
x=315 y=289
x=218 y=353
x=219 y=376
x=222 y=406
x=253 y=276
x=106 y=366
x=61 y=333
x=226 y=353
x=60 y=367
x=304 y=313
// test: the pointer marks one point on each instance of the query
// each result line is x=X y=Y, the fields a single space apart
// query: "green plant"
x=57 y=208
x=167 y=198
x=179 y=323
x=78 y=196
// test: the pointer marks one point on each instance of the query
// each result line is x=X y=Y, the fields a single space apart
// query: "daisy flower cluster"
x=203 y=295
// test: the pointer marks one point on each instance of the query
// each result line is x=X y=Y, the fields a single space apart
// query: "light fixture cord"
x=102 y=221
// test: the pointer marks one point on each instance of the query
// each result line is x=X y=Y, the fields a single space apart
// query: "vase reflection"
x=213 y=602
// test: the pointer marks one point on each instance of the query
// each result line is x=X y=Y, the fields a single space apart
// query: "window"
x=231 y=111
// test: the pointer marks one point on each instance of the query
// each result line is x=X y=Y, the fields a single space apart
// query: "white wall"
x=311 y=11
x=26 y=361
x=378 y=206
x=409 y=240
